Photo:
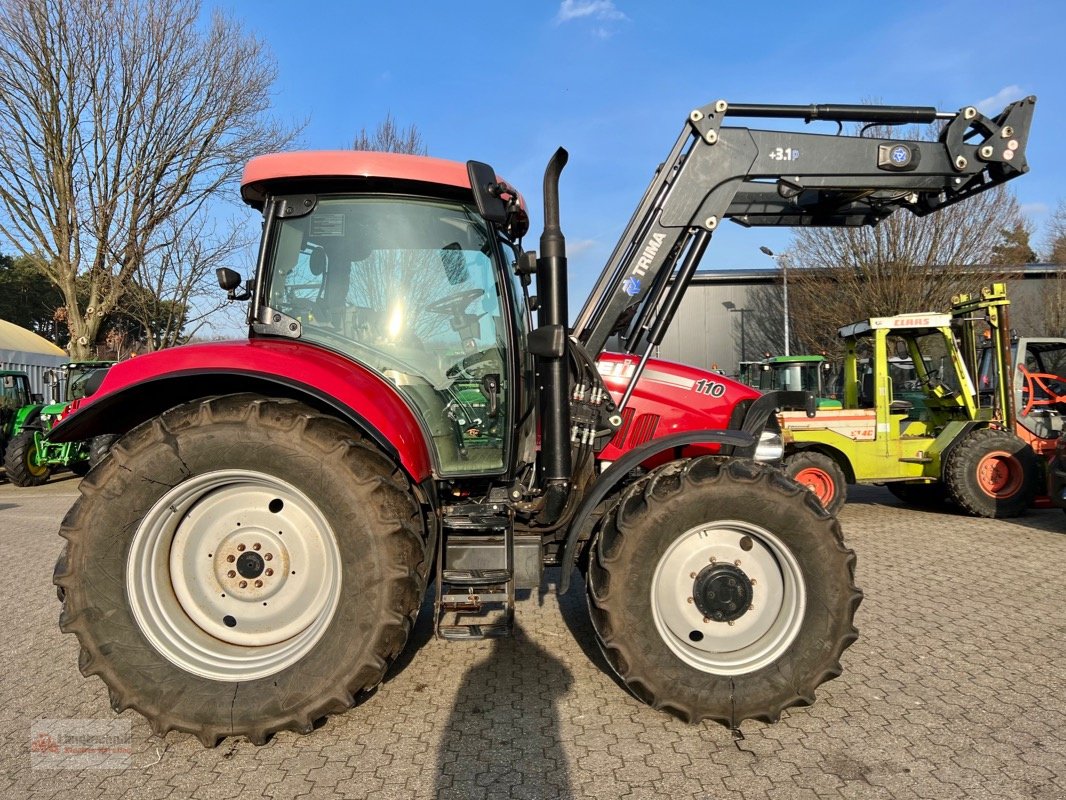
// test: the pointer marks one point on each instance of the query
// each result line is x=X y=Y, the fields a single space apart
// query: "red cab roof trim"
x=348 y=164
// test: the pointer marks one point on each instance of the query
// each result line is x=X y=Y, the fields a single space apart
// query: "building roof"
x=12 y=337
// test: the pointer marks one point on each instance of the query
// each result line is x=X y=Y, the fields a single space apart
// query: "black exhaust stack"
x=549 y=344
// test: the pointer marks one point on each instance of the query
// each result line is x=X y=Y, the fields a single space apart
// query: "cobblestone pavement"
x=956 y=688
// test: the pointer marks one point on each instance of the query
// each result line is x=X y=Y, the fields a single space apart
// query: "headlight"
x=771 y=446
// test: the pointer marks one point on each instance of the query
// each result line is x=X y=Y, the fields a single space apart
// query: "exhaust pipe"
x=552 y=369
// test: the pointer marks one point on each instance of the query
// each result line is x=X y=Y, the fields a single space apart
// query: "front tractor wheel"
x=720 y=590
x=241 y=566
x=992 y=473
x=21 y=461
x=821 y=475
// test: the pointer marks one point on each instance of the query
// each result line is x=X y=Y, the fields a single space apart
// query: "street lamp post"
x=732 y=308
x=783 y=261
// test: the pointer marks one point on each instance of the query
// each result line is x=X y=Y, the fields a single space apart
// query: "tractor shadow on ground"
x=573 y=607
x=503 y=731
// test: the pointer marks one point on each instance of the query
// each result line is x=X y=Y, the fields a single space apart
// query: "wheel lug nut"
x=257 y=546
x=243 y=584
x=240 y=548
x=737 y=562
x=692 y=574
x=269 y=556
x=231 y=558
x=269 y=572
x=713 y=559
x=691 y=600
x=706 y=619
x=231 y=574
x=258 y=584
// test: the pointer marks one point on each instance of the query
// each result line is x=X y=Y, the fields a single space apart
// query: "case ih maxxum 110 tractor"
x=253 y=552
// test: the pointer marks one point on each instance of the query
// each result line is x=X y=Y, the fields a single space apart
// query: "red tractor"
x=253 y=552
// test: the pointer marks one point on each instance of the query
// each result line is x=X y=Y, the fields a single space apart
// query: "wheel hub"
x=234 y=575
x=722 y=592
x=728 y=597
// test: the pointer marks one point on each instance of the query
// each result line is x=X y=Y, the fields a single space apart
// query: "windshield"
x=79 y=375
x=408 y=287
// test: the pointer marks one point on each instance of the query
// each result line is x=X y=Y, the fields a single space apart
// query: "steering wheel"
x=454 y=304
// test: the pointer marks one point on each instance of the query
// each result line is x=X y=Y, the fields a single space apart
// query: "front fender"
x=136 y=390
x=610 y=477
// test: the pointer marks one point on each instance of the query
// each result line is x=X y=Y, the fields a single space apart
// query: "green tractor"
x=971 y=424
x=797 y=373
x=14 y=395
x=30 y=458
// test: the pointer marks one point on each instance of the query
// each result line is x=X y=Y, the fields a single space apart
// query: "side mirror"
x=36 y=398
x=486 y=192
x=230 y=280
x=49 y=377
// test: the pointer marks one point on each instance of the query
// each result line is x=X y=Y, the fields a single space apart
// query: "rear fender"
x=137 y=390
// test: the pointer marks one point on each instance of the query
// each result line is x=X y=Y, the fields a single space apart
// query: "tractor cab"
x=413 y=284
x=798 y=373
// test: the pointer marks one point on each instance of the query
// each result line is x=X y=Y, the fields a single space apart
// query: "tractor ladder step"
x=475 y=600
x=476 y=577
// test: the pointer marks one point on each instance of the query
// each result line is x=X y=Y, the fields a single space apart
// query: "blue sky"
x=612 y=81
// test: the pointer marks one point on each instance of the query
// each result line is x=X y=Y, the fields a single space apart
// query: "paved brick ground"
x=957 y=688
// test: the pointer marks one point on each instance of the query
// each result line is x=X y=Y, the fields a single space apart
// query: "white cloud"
x=991 y=106
x=1034 y=209
x=595 y=9
x=580 y=246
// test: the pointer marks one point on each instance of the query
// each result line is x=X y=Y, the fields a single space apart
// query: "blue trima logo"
x=631 y=286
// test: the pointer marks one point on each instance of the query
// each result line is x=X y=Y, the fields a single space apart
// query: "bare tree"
x=174 y=290
x=1056 y=235
x=118 y=118
x=904 y=264
x=388 y=137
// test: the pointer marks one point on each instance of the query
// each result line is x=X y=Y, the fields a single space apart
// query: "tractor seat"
x=900 y=406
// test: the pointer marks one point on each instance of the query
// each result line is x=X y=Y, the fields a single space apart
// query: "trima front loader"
x=972 y=424
x=252 y=554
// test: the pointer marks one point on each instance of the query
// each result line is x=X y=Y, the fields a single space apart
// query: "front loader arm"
x=781 y=178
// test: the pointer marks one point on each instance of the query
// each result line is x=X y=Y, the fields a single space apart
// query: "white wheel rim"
x=763 y=632
x=233 y=575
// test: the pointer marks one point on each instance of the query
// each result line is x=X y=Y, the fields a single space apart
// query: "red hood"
x=669 y=398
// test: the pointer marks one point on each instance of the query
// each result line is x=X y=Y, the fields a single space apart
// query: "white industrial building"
x=725 y=309
x=25 y=351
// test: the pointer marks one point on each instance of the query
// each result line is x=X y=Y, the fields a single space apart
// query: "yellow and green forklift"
x=946 y=434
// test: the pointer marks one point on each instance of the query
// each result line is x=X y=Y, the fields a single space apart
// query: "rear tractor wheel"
x=992 y=473
x=821 y=475
x=720 y=590
x=240 y=566
x=21 y=461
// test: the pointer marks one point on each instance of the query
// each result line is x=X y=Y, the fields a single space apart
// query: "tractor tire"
x=99 y=447
x=821 y=475
x=719 y=589
x=920 y=495
x=20 y=461
x=171 y=556
x=992 y=473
